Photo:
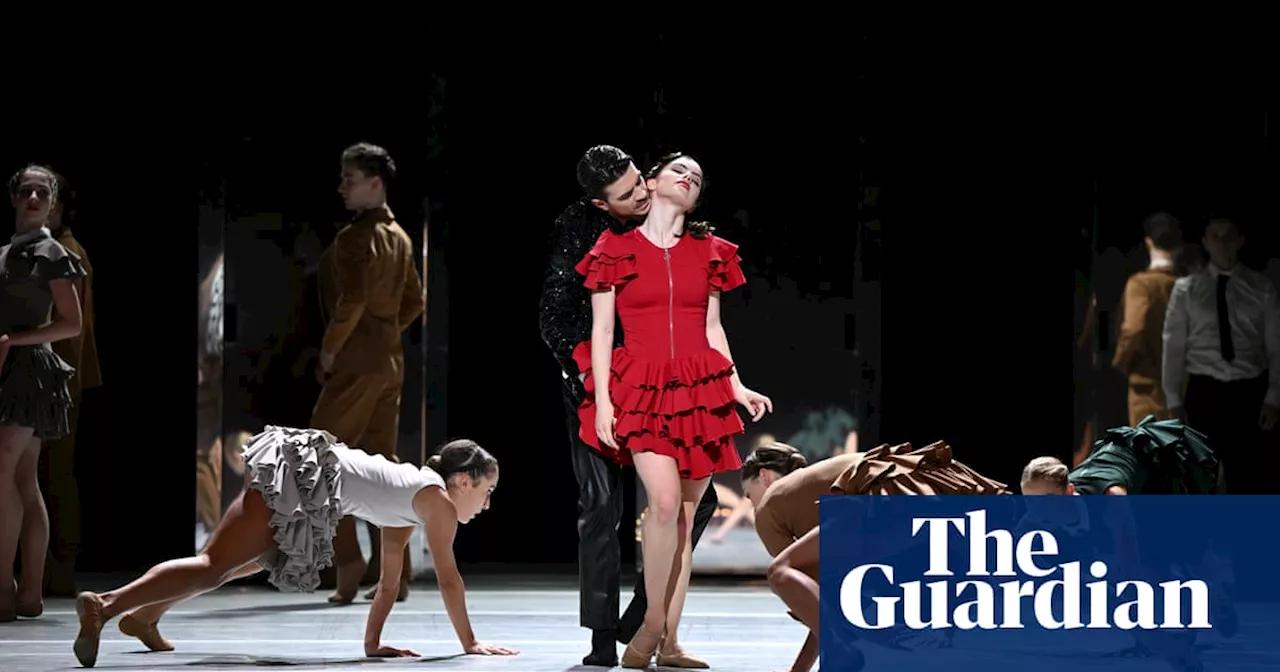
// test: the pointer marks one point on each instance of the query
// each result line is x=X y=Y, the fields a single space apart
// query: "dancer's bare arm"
x=719 y=340
x=394 y=539
x=435 y=507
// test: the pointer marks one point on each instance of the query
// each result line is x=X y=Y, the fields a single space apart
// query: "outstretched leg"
x=243 y=535
x=142 y=623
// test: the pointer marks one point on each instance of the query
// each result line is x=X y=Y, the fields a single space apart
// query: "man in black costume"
x=614 y=195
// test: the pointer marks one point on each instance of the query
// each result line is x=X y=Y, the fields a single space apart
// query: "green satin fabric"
x=1157 y=457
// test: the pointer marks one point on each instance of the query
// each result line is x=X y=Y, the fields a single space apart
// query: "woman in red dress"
x=665 y=400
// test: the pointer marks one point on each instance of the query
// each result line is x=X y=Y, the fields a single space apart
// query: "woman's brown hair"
x=776 y=456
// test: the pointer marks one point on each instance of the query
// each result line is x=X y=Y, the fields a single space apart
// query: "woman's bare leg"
x=660 y=541
x=13 y=444
x=678 y=586
x=141 y=623
x=243 y=535
x=34 y=536
x=789 y=578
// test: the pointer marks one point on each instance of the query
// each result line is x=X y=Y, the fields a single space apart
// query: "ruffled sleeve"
x=610 y=263
x=55 y=262
x=725 y=266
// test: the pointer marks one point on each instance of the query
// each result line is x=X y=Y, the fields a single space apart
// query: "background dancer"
x=38 y=305
x=786 y=492
x=614 y=195
x=293 y=470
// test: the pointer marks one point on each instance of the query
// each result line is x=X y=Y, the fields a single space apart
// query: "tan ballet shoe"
x=676 y=657
x=147 y=633
x=638 y=653
x=89 y=609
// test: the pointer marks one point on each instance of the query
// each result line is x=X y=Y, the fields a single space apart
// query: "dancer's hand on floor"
x=486 y=650
x=390 y=652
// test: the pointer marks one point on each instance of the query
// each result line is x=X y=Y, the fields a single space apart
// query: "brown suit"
x=57 y=460
x=371 y=292
x=1139 y=345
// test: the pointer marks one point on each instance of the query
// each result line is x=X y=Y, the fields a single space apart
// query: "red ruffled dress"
x=671 y=391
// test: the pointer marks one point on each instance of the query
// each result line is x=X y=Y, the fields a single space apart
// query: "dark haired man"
x=1222 y=340
x=1146 y=297
x=370 y=291
x=614 y=193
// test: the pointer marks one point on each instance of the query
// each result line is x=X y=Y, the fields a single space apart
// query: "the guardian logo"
x=1034 y=557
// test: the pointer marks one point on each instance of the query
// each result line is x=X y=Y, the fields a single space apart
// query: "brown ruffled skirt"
x=902 y=470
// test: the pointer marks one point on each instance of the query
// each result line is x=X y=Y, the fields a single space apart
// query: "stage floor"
x=743 y=629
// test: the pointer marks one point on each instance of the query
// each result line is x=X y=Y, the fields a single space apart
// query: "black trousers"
x=1227 y=412
x=600 y=506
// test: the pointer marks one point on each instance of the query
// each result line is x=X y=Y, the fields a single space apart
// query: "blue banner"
x=1048 y=583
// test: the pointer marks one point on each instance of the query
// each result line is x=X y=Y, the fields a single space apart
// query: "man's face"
x=359 y=191
x=627 y=197
x=1222 y=240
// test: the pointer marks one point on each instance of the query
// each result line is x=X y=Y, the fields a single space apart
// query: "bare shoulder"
x=433 y=503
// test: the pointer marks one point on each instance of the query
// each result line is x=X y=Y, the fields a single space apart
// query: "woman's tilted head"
x=677 y=178
x=470 y=473
x=33 y=191
x=765 y=465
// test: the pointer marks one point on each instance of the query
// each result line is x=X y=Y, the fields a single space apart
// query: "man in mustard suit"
x=371 y=292
x=57 y=459
x=1140 y=348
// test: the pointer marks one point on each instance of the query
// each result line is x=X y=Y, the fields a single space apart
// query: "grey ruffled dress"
x=33 y=380
x=310 y=480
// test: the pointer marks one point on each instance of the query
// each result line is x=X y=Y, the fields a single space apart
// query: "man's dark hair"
x=600 y=167
x=1164 y=230
x=1224 y=216
x=371 y=160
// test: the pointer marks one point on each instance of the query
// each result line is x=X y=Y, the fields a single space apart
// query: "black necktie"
x=1224 y=325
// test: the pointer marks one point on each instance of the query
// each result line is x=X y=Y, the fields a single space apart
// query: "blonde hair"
x=1049 y=470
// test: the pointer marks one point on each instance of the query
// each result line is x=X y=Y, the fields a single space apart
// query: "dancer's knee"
x=664 y=507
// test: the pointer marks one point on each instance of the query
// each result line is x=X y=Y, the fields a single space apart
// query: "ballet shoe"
x=638 y=655
x=674 y=656
x=89 y=609
x=404 y=592
x=348 y=582
x=147 y=633
x=8 y=616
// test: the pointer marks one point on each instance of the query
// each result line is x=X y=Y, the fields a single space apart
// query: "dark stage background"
x=928 y=200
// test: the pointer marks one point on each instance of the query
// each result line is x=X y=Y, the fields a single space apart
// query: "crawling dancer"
x=292 y=470
x=786 y=493
x=1162 y=457
x=1154 y=458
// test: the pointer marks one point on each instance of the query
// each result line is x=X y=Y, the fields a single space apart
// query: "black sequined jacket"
x=564 y=311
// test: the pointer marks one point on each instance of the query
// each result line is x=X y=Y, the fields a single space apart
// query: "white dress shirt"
x=1191 y=341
